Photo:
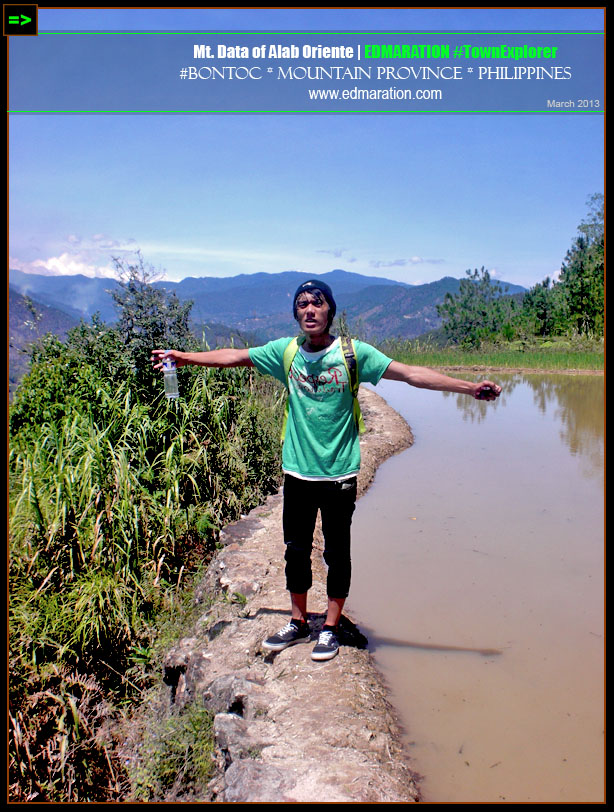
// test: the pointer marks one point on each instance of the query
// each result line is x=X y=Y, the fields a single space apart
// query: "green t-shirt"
x=321 y=439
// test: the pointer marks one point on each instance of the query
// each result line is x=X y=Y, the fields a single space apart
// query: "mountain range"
x=261 y=304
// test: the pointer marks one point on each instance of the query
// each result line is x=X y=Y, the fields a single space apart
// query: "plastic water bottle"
x=171 y=386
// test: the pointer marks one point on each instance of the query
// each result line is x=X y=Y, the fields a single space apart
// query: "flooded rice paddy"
x=478 y=578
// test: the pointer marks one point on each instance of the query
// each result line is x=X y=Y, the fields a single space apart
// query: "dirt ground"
x=289 y=729
x=525 y=370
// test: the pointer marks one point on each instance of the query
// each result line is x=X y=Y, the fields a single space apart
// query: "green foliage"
x=544 y=310
x=592 y=227
x=59 y=382
x=176 y=754
x=582 y=274
x=149 y=318
x=115 y=495
x=478 y=312
x=107 y=513
x=572 y=305
x=341 y=327
x=556 y=353
x=575 y=303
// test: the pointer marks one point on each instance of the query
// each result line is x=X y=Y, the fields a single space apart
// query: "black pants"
x=336 y=502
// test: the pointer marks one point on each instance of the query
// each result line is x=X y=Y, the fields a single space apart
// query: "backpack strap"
x=289 y=354
x=348 y=350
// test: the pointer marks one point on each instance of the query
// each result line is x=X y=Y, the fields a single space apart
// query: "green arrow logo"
x=19 y=19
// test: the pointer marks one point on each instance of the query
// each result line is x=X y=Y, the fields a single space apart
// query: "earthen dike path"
x=289 y=729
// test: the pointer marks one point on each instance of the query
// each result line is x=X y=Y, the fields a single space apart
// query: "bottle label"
x=168 y=364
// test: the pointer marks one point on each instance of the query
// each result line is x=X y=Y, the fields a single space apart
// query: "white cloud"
x=64 y=265
x=401 y=263
x=247 y=255
x=89 y=256
x=335 y=252
x=70 y=264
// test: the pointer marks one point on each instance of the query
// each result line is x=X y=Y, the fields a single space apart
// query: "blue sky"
x=407 y=197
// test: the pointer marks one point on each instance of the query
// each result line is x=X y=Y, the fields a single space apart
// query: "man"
x=321 y=451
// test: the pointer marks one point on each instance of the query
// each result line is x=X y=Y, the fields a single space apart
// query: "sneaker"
x=288 y=636
x=326 y=647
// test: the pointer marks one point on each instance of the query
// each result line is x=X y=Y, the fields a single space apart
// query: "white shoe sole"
x=325 y=655
x=282 y=646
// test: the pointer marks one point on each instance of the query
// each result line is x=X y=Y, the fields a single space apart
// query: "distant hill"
x=259 y=304
x=405 y=312
x=226 y=300
x=220 y=335
x=78 y=295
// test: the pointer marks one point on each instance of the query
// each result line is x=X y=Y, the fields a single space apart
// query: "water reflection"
x=576 y=402
x=486 y=538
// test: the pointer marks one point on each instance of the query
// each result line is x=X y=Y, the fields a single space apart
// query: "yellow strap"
x=289 y=354
x=347 y=345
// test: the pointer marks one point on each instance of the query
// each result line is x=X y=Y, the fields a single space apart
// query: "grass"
x=176 y=755
x=554 y=354
x=114 y=505
x=110 y=514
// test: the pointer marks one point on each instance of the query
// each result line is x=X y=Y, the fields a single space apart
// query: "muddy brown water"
x=478 y=577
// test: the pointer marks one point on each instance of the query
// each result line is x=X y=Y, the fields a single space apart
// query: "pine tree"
x=479 y=311
x=582 y=273
x=149 y=317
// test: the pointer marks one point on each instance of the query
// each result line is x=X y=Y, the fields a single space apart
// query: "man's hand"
x=159 y=356
x=486 y=390
x=426 y=378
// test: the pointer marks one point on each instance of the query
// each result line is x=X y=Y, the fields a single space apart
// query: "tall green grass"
x=109 y=509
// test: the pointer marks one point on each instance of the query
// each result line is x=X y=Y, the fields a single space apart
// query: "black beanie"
x=312 y=286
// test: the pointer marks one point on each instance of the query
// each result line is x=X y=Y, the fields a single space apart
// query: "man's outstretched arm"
x=425 y=378
x=213 y=358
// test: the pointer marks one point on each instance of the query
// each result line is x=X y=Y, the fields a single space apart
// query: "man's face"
x=312 y=313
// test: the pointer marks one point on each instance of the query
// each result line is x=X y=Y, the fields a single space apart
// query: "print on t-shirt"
x=334 y=379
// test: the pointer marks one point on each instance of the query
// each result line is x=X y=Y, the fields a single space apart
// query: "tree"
x=480 y=310
x=342 y=327
x=544 y=309
x=582 y=273
x=593 y=225
x=96 y=358
x=149 y=317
